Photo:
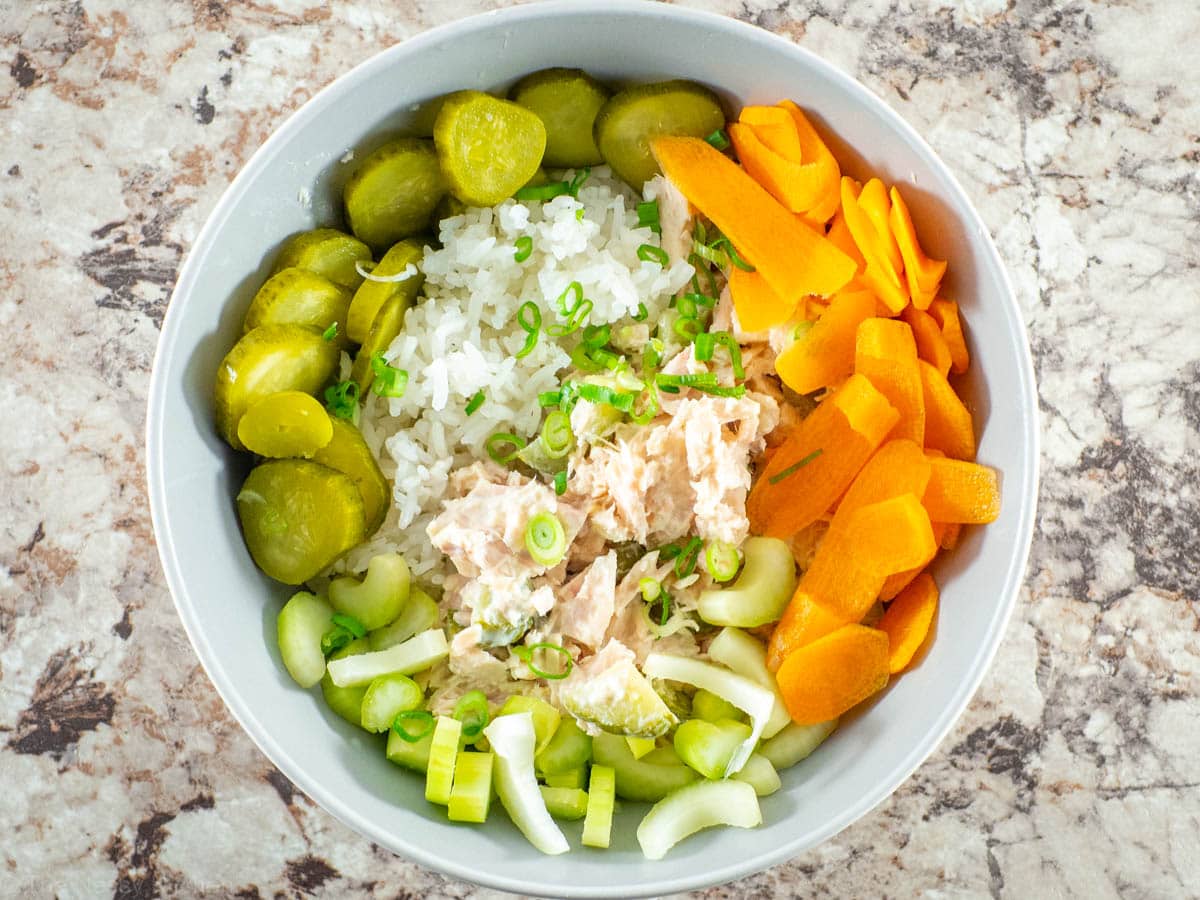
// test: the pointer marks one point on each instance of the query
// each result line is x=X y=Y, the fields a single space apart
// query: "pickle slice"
x=298 y=517
x=627 y=122
x=349 y=454
x=265 y=361
x=388 y=322
x=566 y=100
x=327 y=252
x=371 y=295
x=488 y=147
x=394 y=192
x=295 y=296
x=286 y=424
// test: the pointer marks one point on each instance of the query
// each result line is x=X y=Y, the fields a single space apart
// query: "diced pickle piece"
x=646 y=779
x=378 y=598
x=607 y=690
x=488 y=147
x=394 y=192
x=286 y=424
x=371 y=294
x=419 y=614
x=266 y=361
x=349 y=454
x=327 y=252
x=299 y=628
x=346 y=701
x=566 y=100
x=386 y=697
x=388 y=322
x=298 y=517
x=627 y=122
x=295 y=296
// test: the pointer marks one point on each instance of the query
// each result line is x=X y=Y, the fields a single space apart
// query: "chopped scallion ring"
x=472 y=710
x=795 y=467
x=647 y=213
x=560 y=482
x=545 y=540
x=523 y=248
x=650 y=253
x=706 y=343
x=550 y=398
x=691 y=379
x=726 y=340
x=651 y=589
x=721 y=560
x=543 y=192
x=575 y=289
x=557 y=438
x=389 y=381
x=342 y=399
x=350 y=623
x=648 y=410
x=668 y=552
x=718 y=139
x=577 y=182
x=596 y=335
x=345 y=629
x=686 y=306
x=685 y=562
x=702 y=300
x=474 y=403
x=497 y=441
x=700 y=265
x=422 y=717
x=687 y=328
x=331 y=332
x=725 y=245
x=529 y=317
x=642 y=313
x=599 y=393
x=525 y=654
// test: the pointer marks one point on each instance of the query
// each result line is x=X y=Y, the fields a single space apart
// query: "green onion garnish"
x=795 y=467
x=525 y=654
x=500 y=439
x=691 y=379
x=474 y=403
x=596 y=335
x=345 y=629
x=665 y=609
x=652 y=354
x=651 y=589
x=549 y=398
x=342 y=399
x=529 y=317
x=545 y=539
x=543 y=192
x=576 y=183
x=685 y=563
x=557 y=438
x=576 y=318
x=350 y=623
x=472 y=710
x=331 y=332
x=422 y=717
x=687 y=327
x=726 y=340
x=649 y=409
x=647 y=213
x=726 y=245
x=700 y=265
x=650 y=253
x=594 y=359
x=721 y=560
x=668 y=552
x=718 y=139
x=701 y=300
x=737 y=391
x=706 y=343
x=599 y=393
x=642 y=313
x=560 y=482
x=389 y=381
x=575 y=289
x=523 y=248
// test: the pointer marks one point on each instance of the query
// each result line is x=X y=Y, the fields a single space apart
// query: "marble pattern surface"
x=1075 y=128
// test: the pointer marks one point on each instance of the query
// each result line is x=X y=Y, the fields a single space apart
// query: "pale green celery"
x=410 y=754
x=795 y=743
x=387 y=696
x=639 y=779
x=569 y=749
x=420 y=613
x=512 y=738
x=572 y=778
x=443 y=754
x=708 y=706
x=747 y=655
x=545 y=717
x=708 y=747
x=695 y=807
x=761 y=592
x=345 y=701
x=743 y=693
x=601 y=798
x=471 y=795
x=640 y=746
x=379 y=597
x=414 y=655
x=565 y=803
x=299 y=628
x=760 y=775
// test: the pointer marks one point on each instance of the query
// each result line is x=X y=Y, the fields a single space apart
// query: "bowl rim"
x=240 y=707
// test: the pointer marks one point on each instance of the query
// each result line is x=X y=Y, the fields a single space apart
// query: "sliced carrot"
x=775 y=128
x=945 y=313
x=879 y=273
x=758 y=306
x=873 y=200
x=897 y=467
x=908 y=619
x=948 y=425
x=894 y=584
x=886 y=353
x=798 y=186
x=839 y=234
x=923 y=274
x=825 y=354
x=960 y=492
x=812 y=147
x=931 y=345
x=805 y=620
x=819 y=459
x=821 y=681
x=794 y=259
x=950 y=535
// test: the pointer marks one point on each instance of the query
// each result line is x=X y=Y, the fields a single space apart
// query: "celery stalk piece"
x=471 y=795
x=746 y=655
x=708 y=706
x=648 y=779
x=695 y=807
x=386 y=697
x=761 y=592
x=572 y=778
x=411 y=755
x=601 y=798
x=414 y=655
x=795 y=743
x=420 y=613
x=443 y=755
x=345 y=701
x=743 y=693
x=639 y=746
x=565 y=803
x=708 y=747
x=379 y=597
x=569 y=749
x=299 y=628
x=512 y=738
x=546 y=718
x=760 y=775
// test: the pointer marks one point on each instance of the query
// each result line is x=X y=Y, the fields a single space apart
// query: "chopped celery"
x=708 y=747
x=379 y=597
x=743 y=693
x=414 y=655
x=545 y=717
x=412 y=755
x=419 y=614
x=345 y=701
x=512 y=739
x=639 y=779
x=695 y=807
x=471 y=795
x=443 y=754
x=387 y=696
x=640 y=746
x=565 y=803
x=761 y=592
x=299 y=628
x=601 y=798
x=746 y=655
x=760 y=775
x=708 y=706
x=569 y=749
x=795 y=743
x=572 y=778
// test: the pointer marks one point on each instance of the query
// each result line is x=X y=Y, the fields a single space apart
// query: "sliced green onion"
x=650 y=253
x=350 y=623
x=342 y=399
x=648 y=410
x=389 y=381
x=726 y=340
x=721 y=560
x=525 y=654
x=472 y=711
x=550 y=398
x=560 y=482
x=576 y=315
x=706 y=343
x=575 y=289
x=642 y=313
x=795 y=467
x=685 y=563
x=651 y=589
x=718 y=139
x=668 y=552
x=579 y=214
x=725 y=245
x=335 y=639
x=690 y=379
x=686 y=306
x=474 y=403
x=701 y=266
x=652 y=354
x=599 y=393
x=687 y=328
x=699 y=232
x=577 y=182
x=545 y=539
x=594 y=359
x=422 y=718
x=557 y=438
x=529 y=317
x=543 y=192
x=647 y=213
x=331 y=332
x=701 y=300
x=523 y=248
x=498 y=440
x=737 y=391
x=710 y=254
x=596 y=335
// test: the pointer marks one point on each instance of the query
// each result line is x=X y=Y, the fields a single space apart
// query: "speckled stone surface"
x=1075 y=128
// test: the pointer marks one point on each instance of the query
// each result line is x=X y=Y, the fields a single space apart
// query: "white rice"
x=463 y=338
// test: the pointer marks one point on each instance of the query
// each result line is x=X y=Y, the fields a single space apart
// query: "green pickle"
x=286 y=424
x=327 y=252
x=385 y=329
x=371 y=294
x=630 y=119
x=295 y=296
x=566 y=100
x=298 y=517
x=349 y=454
x=394 y=192
x=488 y=147
x=346 y=701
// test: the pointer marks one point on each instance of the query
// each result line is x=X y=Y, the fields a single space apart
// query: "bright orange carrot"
x=839 y=234
x=948 y=425
x=812 y=147
x=873 y=200
x=774 y=127
x=931 y=345
x=960 y=492
x=945 y=313
x=824 y=355
x=758 y=306
x=798 y=186
x=897 y=467
x=924 y=275
x=879 y=274
x=887 y=354
x=821 y=681
x=908 y=620
x=950 y=535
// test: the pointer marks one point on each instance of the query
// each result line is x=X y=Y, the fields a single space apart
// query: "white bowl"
x=229 y=608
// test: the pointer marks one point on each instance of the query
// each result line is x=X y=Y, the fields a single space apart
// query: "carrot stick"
x=879 y=273
x=907 y=621
x=923 y=274
x=962 y=492
x=757 y=305
x=825 y=354
x=945 y=313
x=948 y=425
x=887 y=354
x=931 y=344
x=829 y=676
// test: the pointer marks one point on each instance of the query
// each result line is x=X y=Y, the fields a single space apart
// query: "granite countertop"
x=1075 y=771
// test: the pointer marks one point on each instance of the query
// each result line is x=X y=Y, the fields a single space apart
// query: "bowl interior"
x=229 y=608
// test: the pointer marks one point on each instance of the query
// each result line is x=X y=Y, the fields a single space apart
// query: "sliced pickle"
x=371 y=294
x=327 y=252
x=566 y=100
x=298 y=517
x=295 y=296
x=349 y=454
x=488 y=147
x=286 y=424
x=394 y=192
x=388 y=322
